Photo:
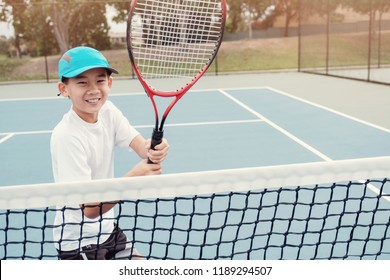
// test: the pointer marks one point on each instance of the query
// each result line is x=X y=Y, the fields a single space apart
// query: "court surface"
x=212 y=127
x=257 y=120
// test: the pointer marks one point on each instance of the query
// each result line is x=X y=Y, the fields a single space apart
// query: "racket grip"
x=157 y=137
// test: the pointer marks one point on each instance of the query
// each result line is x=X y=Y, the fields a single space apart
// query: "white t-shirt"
x=84 y=151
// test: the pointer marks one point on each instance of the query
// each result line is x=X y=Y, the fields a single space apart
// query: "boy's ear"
x=62 y=89
x=110 y=81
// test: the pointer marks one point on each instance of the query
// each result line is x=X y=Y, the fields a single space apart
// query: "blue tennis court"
x=209 y=129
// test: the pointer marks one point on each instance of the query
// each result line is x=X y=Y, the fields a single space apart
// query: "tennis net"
x=321 y=210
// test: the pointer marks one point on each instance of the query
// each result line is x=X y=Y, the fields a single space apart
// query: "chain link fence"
x=347 y=41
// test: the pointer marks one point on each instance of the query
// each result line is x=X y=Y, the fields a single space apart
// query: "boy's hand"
x=144 y=169
x=159 y=153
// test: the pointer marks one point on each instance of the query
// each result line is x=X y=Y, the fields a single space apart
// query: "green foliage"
x=48 y=26
x=122 y=9
x=89 y=27
x=39 y=34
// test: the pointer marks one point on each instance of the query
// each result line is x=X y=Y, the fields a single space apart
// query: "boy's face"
x=88 y=92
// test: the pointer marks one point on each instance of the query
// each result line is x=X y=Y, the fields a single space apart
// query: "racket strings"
x=175 y=38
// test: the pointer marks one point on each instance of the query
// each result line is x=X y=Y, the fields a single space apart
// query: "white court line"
x=232 y=88
x=8 y=136
x=376 y=190
x=330 y=110
x=372 y=187
x=260 y=117
x=55 y=97
x=278 y=128
x=141 y=126
x=215 y=123
x=27 y=132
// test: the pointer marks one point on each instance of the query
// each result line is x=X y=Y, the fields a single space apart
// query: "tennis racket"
x=174 y=39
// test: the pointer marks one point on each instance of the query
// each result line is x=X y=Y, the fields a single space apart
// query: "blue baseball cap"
x=80 y=59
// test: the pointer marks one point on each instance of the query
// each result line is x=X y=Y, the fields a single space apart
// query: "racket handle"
x=157 y=137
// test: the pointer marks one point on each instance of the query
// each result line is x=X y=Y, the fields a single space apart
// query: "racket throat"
x=161 y=128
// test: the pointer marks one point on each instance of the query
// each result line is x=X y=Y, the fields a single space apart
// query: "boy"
x=82 y=148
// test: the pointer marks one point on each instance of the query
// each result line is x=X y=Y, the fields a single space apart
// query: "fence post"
x=299 y=33
x=370 y=25
x=327 y=36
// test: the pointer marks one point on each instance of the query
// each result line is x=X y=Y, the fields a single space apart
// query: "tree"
x=12 y=11
x=61 y=22
x=123 y=9
x=78 y=22
x=39 y=34
x=368 y=6
x=89 y=27
x=292 y=9
x=70 y=22
x=372 y=8
x=234 y=15
x=241 y=13
x=365 y=6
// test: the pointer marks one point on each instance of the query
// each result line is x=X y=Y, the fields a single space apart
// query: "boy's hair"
x=80 y=59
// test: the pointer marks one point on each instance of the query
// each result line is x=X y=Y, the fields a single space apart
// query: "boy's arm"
x=139 y=145
x=96 y=209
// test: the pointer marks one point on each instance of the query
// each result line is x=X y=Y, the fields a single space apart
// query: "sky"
x=6 y=30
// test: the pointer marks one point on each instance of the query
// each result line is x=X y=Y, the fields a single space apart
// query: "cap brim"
x=78 y=71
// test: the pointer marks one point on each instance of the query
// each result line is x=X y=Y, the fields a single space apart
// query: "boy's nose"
x=93 y=90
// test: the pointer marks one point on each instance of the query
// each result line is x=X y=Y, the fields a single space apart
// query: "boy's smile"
x=93 y=101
